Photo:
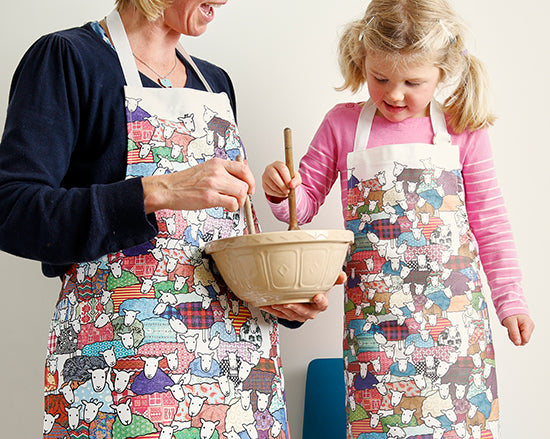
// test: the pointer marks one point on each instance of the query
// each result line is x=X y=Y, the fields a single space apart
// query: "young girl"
x=419 y=191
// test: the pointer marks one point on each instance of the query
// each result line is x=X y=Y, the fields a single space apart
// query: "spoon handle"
x=248 y=209
x=293 y=223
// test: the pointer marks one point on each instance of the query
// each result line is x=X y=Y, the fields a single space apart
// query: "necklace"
x=163 y=79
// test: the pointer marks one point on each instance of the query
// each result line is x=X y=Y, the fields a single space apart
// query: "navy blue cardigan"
x=63 y=193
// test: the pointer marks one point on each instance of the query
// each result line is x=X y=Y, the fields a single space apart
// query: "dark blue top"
x=63 y=193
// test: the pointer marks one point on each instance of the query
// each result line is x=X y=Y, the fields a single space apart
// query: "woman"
x=116 y=166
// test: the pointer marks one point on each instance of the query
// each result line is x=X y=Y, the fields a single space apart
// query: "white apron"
x=148 y=341
x=417 y=348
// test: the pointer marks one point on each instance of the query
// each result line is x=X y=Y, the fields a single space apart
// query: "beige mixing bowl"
x=281 y=267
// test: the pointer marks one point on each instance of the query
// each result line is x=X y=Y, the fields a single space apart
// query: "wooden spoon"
x=293 y=223
x=248 y=209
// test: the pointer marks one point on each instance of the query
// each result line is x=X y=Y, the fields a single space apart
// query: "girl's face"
x=402 y=91
x=191 y=17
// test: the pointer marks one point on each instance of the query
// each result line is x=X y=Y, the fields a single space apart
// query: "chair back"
x=325 y=400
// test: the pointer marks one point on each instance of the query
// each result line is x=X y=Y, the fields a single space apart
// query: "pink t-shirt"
x=326 y=158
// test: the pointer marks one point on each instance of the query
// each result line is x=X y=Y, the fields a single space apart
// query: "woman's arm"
x=63 y=197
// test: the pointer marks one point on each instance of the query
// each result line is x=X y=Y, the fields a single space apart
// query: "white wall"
x=281 y=57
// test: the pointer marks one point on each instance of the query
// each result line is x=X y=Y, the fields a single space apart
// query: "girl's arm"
x=490 y=224
x=314 y=179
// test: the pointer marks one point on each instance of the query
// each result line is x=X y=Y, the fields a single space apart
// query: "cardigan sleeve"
x=49 y=121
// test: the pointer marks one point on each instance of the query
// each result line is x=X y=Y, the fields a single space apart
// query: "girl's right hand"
x=277 y=183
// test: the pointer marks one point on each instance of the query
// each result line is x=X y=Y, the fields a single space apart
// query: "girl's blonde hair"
x=151 y=9
x=415 y=31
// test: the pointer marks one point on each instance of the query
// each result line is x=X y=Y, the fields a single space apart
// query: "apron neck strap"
x=126 y=58
x=364 y=125
x=123 y=49
x=194 y=67
x=439 y=124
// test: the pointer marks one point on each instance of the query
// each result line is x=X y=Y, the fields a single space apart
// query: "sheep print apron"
x=148 y=342
x=418 y=353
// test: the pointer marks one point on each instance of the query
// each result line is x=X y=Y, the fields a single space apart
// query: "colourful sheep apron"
x=146 y=342
x=418 y=352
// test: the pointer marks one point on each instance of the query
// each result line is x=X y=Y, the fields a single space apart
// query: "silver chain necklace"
x=163 y=79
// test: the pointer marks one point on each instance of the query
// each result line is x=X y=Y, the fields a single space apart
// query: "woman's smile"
x=208 y=10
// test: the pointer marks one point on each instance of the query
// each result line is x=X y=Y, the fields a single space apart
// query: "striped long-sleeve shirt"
x=326 y=159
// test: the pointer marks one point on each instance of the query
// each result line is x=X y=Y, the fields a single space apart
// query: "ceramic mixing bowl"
x=281 y=267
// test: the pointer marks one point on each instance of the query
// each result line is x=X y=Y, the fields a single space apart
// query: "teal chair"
x=325 y=400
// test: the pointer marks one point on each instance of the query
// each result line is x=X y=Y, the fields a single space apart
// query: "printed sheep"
x=167 y=431
x=195 y=405
x=49 y=420
x=207 y=429
x=73 y=415
x=91 y=409
x=123 y=412
x=122 y=379
x=99 y=378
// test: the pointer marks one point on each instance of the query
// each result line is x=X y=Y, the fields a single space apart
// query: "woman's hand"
x=520 y=327
x=303 y=311
x=214 y=183
x=277 y=183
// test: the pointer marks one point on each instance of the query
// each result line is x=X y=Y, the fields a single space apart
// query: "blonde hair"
x=151 y=9
x=415 y=31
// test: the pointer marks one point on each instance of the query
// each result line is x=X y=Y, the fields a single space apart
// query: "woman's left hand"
x=303 y=311
x=520 y=327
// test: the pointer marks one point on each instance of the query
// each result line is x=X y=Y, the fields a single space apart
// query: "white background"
x=281 y=56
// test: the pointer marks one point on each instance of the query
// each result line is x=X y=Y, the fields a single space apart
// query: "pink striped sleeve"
x=489 y=222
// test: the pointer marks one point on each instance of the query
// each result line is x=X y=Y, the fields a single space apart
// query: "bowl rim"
x=289 y=236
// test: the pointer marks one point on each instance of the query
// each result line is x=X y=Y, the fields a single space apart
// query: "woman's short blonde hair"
x=152 y=9
x=419 y=31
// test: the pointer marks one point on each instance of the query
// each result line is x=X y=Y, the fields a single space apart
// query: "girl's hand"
x=520 y=327
x=277 y=183
x=214 y=183
x=303 y=311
